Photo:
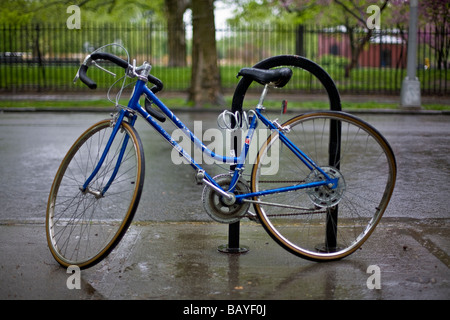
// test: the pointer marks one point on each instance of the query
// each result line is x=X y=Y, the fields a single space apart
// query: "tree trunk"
x=176 y=32
x=205 y=78
x=356 y=46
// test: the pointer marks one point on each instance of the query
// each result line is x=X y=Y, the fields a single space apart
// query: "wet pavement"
x=181 y=261
x=170 y=252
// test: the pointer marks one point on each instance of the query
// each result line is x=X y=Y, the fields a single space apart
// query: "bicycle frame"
x=134 y=106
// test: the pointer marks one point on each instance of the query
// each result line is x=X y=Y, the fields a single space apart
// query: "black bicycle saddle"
x=276 y=77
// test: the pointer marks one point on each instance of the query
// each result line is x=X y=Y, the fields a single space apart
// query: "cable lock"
x=232 y=121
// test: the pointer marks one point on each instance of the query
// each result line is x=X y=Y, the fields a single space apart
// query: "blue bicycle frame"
x=134 y=106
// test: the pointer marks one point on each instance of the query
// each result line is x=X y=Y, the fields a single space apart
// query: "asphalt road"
x=32 y=146
x=165 y=256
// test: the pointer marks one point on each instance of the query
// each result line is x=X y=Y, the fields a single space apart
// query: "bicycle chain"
x=295 y=214
x=283 y=181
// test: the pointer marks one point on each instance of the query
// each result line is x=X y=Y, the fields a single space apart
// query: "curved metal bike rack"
x=233 y=245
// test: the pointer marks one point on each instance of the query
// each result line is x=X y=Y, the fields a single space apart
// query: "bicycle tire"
x=332 y=223
x=83 y=227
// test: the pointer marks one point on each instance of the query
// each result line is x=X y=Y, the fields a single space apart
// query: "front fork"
x=100 y=193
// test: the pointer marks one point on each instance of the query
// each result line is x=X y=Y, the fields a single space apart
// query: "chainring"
x=216 y=206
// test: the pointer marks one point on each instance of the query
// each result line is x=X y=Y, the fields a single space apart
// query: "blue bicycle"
x=319 y=184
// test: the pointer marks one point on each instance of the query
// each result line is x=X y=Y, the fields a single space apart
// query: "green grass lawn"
x=178 y=79
x=178 y=102
x=368 y=80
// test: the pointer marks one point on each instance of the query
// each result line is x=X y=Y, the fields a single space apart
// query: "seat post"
x=262 y=97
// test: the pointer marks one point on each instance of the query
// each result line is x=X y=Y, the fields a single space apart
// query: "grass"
x=61 y=77
x=180 y=103
x=39 y=104
x=375 y=80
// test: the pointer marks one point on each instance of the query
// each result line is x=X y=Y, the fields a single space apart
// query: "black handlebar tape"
x=85 y=79
x=118 y=61
x=158 y=84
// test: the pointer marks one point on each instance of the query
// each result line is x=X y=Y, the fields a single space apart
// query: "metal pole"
x=233 y=245
x=410 y=94
x=334 y=158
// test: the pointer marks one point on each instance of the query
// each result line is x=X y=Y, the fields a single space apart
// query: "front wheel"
x=83 y=226
x=324 y=223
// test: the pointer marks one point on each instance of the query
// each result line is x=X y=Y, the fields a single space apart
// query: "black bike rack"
x=233 y=245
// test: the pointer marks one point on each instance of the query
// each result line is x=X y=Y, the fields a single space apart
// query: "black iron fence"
x=45 y=57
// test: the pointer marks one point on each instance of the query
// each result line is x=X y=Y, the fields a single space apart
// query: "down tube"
x=167 y=136
x=193 y=138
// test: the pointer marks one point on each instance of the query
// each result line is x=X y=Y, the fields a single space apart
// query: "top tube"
x=133 y=104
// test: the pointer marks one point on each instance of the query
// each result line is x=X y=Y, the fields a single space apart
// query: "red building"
x=385 y=49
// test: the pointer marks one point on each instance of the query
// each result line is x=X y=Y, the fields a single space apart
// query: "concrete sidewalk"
x=180 y=260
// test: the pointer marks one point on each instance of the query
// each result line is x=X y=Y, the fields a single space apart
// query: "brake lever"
x=103 y=69
x=88 y=62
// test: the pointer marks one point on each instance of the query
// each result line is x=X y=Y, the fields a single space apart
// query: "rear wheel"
x=324 y=223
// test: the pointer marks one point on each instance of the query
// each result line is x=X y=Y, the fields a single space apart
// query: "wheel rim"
x=364 y=197
x=83 y=227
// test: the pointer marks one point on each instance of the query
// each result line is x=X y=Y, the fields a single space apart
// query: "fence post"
x=299 y=40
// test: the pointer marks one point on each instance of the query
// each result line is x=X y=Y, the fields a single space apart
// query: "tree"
x=176 y=31
x=434 y=18
x=357 y=10
x=350 y=13
x=39 y=11
x=437 y=15
x=205 y=77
